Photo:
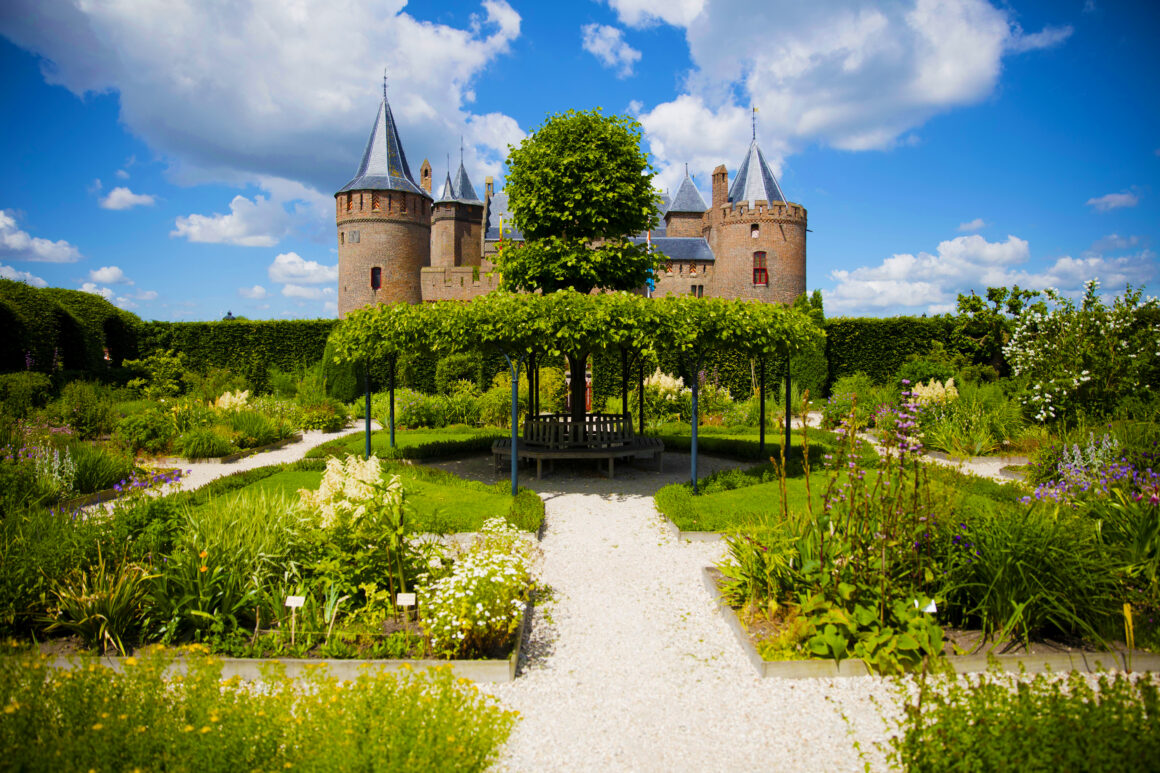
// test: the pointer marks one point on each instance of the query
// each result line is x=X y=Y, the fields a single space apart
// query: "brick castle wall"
x=456 y=234
x=389 y=230
x=736 y=232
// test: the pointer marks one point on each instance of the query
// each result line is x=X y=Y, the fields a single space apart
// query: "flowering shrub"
x=1087 y=358
x=478 y=605
x=233 y=401
x=348 y=488
x=935 y=392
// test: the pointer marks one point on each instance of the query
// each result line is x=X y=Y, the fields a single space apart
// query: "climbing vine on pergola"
x=575 y=324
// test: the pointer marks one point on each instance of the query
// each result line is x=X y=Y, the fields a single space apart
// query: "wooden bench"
x=602 y=436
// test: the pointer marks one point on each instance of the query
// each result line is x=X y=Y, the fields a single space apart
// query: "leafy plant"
x=251 y=428
x=98 y=467
x=166 y=374
x=102 y=604
x=205 y=443
x=86 y=407
x=150 y=430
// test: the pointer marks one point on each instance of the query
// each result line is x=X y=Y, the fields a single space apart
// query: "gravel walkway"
x=630 y=667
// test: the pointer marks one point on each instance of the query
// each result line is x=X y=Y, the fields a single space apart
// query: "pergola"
x=525 y=327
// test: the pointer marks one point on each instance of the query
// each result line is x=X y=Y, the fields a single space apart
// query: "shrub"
x=23 y=391
x=97 y=467
x=205 y=443
x=455 y=368
x=475 y=609
x=165 y=372
x=91 y=716
x=462 y=404
x=997 y=721
x=86 y=407
x=413 y=409
x=215 y=381
x=325 y=414
x=922 y=371
x=252 y=429
x=847 y=392
x=102 y=604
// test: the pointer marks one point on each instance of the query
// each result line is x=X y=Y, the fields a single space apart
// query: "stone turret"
x=457 y=223
x=384 y=224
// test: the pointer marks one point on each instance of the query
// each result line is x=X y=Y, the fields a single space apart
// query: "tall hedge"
x=250 y=348
x=105 y=325
x=38 y=327
x=879 y=347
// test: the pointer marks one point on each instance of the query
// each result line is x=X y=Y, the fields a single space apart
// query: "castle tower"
x=757 y=236
x=457 y=223
x=687 y=210
x=384 y=224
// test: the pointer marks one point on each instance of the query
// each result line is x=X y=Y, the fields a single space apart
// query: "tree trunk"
x=577 y=389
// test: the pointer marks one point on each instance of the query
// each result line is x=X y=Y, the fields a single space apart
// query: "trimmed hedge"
x=250 y=348
x=106 y=326
x=879 y=347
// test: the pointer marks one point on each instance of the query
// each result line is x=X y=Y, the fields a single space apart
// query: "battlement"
x=761 y=210
x=390 y=206
x=458 y=283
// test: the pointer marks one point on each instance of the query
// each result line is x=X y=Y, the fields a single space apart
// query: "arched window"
x=760 y=273
x=376 y=278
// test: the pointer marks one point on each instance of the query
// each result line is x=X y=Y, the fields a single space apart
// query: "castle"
x=396 y=242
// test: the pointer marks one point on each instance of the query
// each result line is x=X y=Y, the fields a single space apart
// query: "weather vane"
x=755 y=124
x=384 y=83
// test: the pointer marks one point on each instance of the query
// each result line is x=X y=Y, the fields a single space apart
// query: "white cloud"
x=608 y=45
x=261 y=222
x=972 y=225
x=8 y=272
x=929 y=283
x=146 y=295
x=122 y=174
x=307 y=293
x=1113 y=243
x=257 y=292
x=848 y=74
x=109 y=275
x=291 y=267
x=1045 y=38
x=105 y=292
x=1110 y=201
x=123 y=198
x=264 y=88
x=16 y=244
x=637 y=13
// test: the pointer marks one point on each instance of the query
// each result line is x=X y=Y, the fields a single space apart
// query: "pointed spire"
x=688 y=198
x=448 y=193
x=384 y=165
x=755 y=181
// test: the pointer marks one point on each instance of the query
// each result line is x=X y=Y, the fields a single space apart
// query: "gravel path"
x=630 y=667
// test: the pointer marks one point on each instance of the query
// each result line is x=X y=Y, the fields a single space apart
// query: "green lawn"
x=441 y=503
x=750 y=499
x=413 y=443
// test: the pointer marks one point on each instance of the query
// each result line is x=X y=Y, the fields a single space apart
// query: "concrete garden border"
x=691 y=536
x=1084 y=662
x=250 y=669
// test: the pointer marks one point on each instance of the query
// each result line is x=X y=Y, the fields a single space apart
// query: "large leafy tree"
x=578 y=188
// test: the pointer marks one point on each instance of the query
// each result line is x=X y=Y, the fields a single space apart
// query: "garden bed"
x=493 y=669
x=231 y=458
x=1086 y=661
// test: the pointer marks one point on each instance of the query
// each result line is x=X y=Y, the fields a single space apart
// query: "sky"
x=180 y=157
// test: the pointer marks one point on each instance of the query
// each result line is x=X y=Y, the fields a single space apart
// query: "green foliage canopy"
x=578 y=187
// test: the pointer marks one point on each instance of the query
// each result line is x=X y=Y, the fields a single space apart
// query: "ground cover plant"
x=996 y=721
x=90 y=717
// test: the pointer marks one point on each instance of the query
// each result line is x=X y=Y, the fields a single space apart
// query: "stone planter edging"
x=231 y=458
x=692 y=536
x=1085 y=662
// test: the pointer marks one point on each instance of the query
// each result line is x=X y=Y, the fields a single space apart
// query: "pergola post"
x=367 y=411
x=514 y=368
x=391 y=419
x=788 y=407
x=693 y=444
x=624 y=381
x=761 y=402
x=640 y=398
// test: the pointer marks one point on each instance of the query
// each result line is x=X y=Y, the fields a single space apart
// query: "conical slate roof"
x=462 y=187
x=688 y=198
x=754 y=180
x=448 y=193
x=384 y=165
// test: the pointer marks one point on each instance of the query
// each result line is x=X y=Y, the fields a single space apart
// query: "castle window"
x=376 y=278
x=669 y=268
x=349 y=201
x=376 y=205
x=755 y=230
x=360 y=202
x=355 y=237
x=760 y=273
x=697 y=291
x=692 y=269
x=341 y=237
x=403 y=203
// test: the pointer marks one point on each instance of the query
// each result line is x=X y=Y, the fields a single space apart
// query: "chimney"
x=720 y=187
x=488 y=187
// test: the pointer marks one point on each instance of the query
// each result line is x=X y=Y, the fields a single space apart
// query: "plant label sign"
x=405 y=599
x=294 y=602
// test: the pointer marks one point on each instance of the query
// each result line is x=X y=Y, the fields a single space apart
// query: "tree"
x=578 y=188
x=984 y=327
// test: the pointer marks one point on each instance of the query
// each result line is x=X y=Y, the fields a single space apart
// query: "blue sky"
x=180 y=157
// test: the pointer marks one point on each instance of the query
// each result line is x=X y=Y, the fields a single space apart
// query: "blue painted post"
x=391 y=420
x=788 y=413
x=514 y=368
x=693 y=445
x=761 y=432
x=367 y=387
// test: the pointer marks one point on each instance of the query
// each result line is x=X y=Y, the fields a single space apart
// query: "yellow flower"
x=206 y=729
x=11 y=707
x=203 y=554
x=203 y=568
x=187 y=729
x=130 y=661
x=98 y=726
